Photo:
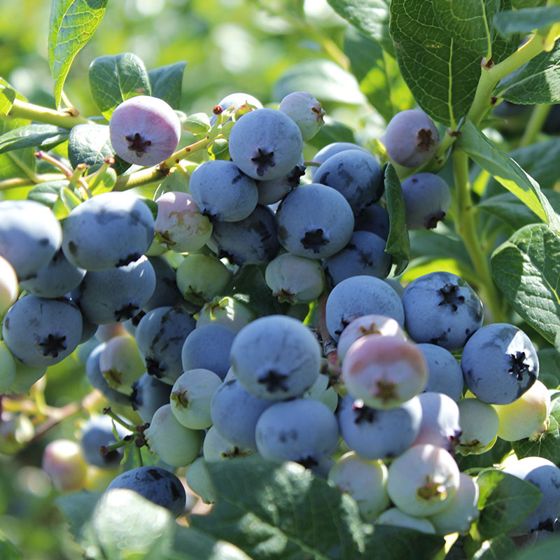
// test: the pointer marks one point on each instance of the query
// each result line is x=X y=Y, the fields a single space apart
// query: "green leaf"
x=17 y=163
x=167 y=82
x=536 y=82
x=378 y=74
x=249 y=285
x=513 y=212
x=507 y=172
x=520 y=4
x=72 y=24
x=398 y=244
x=7 y=96
x=77 y=509
x=8 y=550
x=526 y=269
x=47 y=193
x=545 y=549
x=281 y=511
x=321 y=78
x=497 y=548
x=504 y=502
x=43 y=136
x=549 y=367
x=524 y=21
x=332 y=131
x=540 y=160
x=89 y=144
x=548 y=444
x=191 y=544
x=371 y=17
x=440 y=70
x=396 y=543
x=114 y=79
x=126 y=525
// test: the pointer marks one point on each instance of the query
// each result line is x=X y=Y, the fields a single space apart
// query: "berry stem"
x=65 y=118
x=468 y=229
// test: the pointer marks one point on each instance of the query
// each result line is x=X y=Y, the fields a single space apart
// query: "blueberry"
x=356 y=174
x=58 y=277
x=166 y=292
x=295 y=279
x=161 y=334
x=175 y=445
x=397 y=518
x=235 y=102
x=427 y=199
x=218 y=448
x=301 y=430
x=96 y=434
x=364 y=255
x=109 y=230
x=276 y=189
x=305 y=111
x=358 y=296
x=200 y=278
x=156 y=485
x=545 y=475
x=479 y=427
x=144 y=130
x=149 y=394
x=121 y=363
x=314 y=221
x=8 y=285
x=411 y=138
x=499 y=363
x=440 y=421
x=330 y=150
x=65 y=465
x=222 y=191
x=227 y=311
x=30 y=235
x=379 y=434
x=365 y=481
x=375 y=219
x=42 y=332
x=180 y=225
x=116 y=294
x=199 y=480
x=191 y=396
x=253 y=240
x=444 y=372
x=423 y=480
x=96 y=379
x=208 y=347
x=265 y=144
x=276 y=357
x=442 y=309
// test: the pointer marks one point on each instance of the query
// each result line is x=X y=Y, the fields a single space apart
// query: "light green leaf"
x=43 y=136
x=167 y=83
x=7 y=96
x=72 y=24
x=371 y=17
x=536 y=82
x=526 y=269
x=113 y=79
x=524 y=21
x=378 y=74
x=398 y=244
x=47 y=193
x=504 y=502
x=321 y=78
x=281 y=511
x=17 y=163
x=507 y=172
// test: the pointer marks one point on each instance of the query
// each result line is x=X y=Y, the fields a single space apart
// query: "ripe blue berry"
x=427 y=199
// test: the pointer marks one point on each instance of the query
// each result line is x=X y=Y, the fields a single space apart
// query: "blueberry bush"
x=313 y=313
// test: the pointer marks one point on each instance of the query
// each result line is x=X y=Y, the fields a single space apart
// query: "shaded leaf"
x=524 y=21
x=89 y=144
x=332 y=131
x=398 y=244
x=77 y=509
x=47 y=193
x=495 y=549
x=43 y=136
x=72 y=24
x=542 y=550
x=167 y=82
x=191 y=544
x=396 y=543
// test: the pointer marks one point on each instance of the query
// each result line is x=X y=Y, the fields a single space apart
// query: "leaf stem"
x=535 y=124
x=469 y=231
x=65 y=118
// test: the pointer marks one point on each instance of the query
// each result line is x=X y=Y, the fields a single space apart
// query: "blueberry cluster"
x=373 y=398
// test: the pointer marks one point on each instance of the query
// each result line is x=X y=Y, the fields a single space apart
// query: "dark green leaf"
x=77 y=509
x=519 y=4
x=526 y=269
x=378 y=74
x=89 y=144
x=250 y=285
x=549 y=367
x=504 y=502
x=332 y=131
x=507 y=172
x=167 y=83
x=540 y=160
x=524 y=21
x=281 y=511
x=512 y=211
x=548 y=444
x=496 y=549
x=371 y=17
x=72 y=24
x=321 y=78
x=537 y=82
x=8 y=550
x=114 y=79
x=440 y=70
x=191 y=544
x=44 y=136
x=396 y=543
x=476 y=463
x=398 y=244
x=542 y=550
x=47 y=193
